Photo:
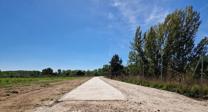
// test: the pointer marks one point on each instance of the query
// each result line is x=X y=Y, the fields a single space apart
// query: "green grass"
x=195 y=90
x=9 y=82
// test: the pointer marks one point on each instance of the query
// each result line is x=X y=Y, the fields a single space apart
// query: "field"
x=22 y=94
x=10 y=82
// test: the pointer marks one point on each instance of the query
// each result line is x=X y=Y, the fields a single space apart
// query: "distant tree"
x=67 y=72
x=20 y=73
x=89 y=73
x=47 y=71
x=116 y=66
x=80 y=73
x=59 y=71
x=106 y=70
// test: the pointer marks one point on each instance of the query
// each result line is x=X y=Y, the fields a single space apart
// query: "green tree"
x=169 y=46
x=151 y=50
x=47 y=71
x=106 y=70
x=59 y=71
x=116 y=66
x=80 y=73
x=181 y=27
x=136 y=55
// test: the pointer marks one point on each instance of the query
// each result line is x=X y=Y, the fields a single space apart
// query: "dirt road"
x=137 y=99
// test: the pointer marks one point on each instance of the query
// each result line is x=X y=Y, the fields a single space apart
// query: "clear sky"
x=78 y=34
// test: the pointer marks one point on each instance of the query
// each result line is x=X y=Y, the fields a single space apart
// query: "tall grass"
x=189 y=88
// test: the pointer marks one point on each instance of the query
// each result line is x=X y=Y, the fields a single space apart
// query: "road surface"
x=94 y=89
x=104 y=95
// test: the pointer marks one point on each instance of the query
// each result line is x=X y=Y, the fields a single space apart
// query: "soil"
x=24 y=98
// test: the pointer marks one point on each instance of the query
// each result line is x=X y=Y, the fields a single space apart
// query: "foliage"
x=136 y=56
x=47 y=71
x=116 y=66
x=80 y=73
x=168 y=48
x=181 y=27
x=20 y=73
x=59 y=71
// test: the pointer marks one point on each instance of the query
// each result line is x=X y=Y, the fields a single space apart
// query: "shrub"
x=195 y=90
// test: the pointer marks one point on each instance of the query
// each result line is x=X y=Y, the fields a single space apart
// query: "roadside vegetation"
x=190 y=88
x=167 y=56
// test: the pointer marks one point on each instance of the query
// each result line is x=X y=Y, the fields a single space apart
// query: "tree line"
x=167 y=50
x=47 y=72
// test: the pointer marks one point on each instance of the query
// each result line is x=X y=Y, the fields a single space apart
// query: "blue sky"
x=78 y=34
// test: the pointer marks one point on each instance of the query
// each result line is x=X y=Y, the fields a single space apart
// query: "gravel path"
x=137 y=99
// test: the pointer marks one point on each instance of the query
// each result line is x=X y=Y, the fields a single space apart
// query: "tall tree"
x=151 y=50
x=169 y=46
x=136 y=55
x=181 y=27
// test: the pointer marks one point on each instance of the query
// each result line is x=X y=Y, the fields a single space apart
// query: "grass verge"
x=194 y=90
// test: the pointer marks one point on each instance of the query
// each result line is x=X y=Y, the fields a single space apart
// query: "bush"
x=195 y=90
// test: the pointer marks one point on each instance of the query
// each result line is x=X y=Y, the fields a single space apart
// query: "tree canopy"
x=169 y=46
